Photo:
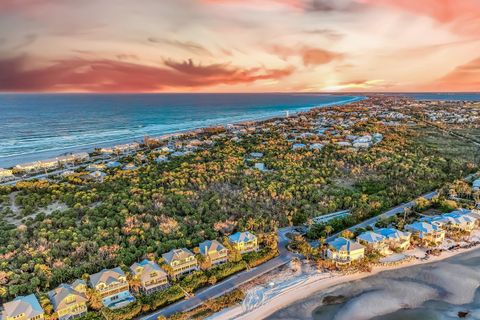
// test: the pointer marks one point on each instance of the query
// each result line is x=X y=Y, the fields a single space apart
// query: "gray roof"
x=58 y=296
x=145 y=268
x=106 y=276
x=28 y=305
x=371 y=237
x=176 y=254
x=210 y=245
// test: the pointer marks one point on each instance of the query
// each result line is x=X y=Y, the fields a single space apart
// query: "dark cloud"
x=189 y=46
x=118 y=76
x=26 y=41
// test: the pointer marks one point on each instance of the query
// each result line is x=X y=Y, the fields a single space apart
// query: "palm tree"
x=328 y=230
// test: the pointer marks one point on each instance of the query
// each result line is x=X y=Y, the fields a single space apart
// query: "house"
x=374 y=241
x=476 y=185
x=260 y=166
x=113 y=164
x=23 y=308
x=396 y=239
x=152 y=277
x=129 y=166
x=377 y=137
x=453 y=221
x=181 y=261
x=297 y=146
x=256 y=155
x=331 y=216
x=363 y=142
x=244 y=242
x=5 y=174
x=343 y=250
x=97 y=175
x=426 y=232
x=213 y=251
x=316 y=146
x=69 y=301
x=96 y=167
x=112 y=287
x=161 y=159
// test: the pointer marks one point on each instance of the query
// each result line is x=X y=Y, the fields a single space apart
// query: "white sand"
x=303 y=289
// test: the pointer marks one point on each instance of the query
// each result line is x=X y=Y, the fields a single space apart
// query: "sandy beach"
x=314 y=283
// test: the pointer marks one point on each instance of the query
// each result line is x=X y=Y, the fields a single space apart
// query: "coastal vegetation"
x=54 y=231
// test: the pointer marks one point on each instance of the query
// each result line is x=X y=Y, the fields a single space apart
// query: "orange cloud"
x=119 y=76
x=464 y=15
x=310 y=56
x=463 y=78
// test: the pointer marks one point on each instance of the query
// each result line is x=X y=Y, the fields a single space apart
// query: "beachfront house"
x=244 y=242
x=181 y=261
x=396 y=239
x=112 y=287
x=69 y=301
x=23 y=308
x=5 y=174
x=214 y=252
x=426 y=232
x=453 y=222
x=342 y=250
x=374 y=241
x=151 y=276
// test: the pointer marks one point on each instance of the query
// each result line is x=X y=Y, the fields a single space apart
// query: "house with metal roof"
x=152 y=277
x=23 y=308
x=69 y=303
x=426 y=232
x=214 y=252
x=342 y=250
x=373 y=241
x=181 y=261
x=396 y=239
x=476 y=185
x=112 y=287
x=244 y=242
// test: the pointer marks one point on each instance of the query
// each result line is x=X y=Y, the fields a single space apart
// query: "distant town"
x=179 y=226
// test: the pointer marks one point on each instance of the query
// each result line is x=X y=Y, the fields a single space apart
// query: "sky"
x=239 y=45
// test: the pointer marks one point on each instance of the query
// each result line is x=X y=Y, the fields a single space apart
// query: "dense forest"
x=56 y=231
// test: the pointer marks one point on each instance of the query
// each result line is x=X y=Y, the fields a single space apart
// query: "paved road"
x=388 y=214
x=229 y=284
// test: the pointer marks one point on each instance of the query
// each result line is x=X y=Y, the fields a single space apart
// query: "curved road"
x=229 y=284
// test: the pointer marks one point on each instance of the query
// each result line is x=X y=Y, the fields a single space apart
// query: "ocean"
x=440 y=290
x=39 y=126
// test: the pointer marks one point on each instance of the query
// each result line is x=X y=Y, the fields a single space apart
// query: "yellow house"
x=181 y=261
x=23 y=308
x=244 y=242
x=69 y=301
x=426 y=232
x=342 y=250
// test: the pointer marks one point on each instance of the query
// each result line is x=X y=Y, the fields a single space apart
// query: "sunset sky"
x=239 y=45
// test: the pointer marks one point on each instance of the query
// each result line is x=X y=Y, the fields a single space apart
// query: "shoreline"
x=12 y=160
x=318 y=283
